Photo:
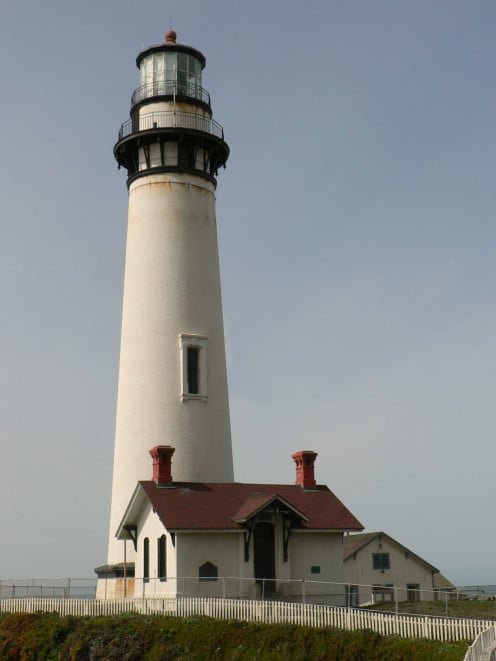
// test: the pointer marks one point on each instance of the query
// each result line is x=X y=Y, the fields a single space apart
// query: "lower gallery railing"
x=411 y=626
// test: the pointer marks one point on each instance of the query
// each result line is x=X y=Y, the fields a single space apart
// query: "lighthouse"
x=172 y=387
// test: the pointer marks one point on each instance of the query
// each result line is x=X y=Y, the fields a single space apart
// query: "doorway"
x=264 y=556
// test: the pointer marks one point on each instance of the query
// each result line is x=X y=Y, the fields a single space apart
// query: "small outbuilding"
x=378 y=568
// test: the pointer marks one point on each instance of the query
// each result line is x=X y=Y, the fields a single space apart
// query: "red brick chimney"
x=162 y=462
x=304 y=460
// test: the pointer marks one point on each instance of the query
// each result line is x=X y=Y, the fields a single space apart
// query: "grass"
x=472 y=610
x=46 y=636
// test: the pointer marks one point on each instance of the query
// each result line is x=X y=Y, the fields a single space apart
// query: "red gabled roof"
x=214 y=506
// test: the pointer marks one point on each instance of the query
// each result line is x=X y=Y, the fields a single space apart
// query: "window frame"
x=198 y=342
x=381 y=561
x=208 y=571
x=352 y=594
x=413 y=590
x=382 y=593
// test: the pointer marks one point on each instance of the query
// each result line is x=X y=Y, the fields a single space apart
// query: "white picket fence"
x=411 y=626
x=483 y=645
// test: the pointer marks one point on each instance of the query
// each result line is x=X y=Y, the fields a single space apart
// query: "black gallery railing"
x=168 y=120
x=170 y=88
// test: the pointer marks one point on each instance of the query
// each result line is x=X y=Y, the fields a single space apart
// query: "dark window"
x=162 y=558
x=146 y=559
x=193 y=369
x=412 y=592
x=315 y=569
x=352 y=596
x=207 y=572
x=186 y=156
x=380 y=561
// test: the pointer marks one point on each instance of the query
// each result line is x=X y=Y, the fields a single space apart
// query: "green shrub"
x=131 y=637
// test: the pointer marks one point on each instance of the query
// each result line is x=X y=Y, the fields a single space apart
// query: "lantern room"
x=171 y=70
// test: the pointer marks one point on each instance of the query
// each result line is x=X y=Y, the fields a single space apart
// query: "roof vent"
x=305 y=460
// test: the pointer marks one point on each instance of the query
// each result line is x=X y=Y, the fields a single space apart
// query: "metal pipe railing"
x=170 y=88
x=168 y=119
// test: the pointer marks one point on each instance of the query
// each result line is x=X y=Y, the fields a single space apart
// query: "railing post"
x=223 y=587
x=396 y=604
x=303 y=592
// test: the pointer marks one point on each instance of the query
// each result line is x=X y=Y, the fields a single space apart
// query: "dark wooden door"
x=264 y=555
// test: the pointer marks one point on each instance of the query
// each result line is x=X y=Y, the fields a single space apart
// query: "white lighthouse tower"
x=172 y=373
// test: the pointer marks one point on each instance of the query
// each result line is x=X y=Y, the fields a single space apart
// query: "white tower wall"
x=172 y=373
x=171 y=290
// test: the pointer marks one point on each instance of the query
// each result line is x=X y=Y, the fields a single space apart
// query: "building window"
x=382 y=593
x=208 y=572
x=193 y=350
x=162 y=558
x=412 y=592
x=352 y=596
x=315 y=569
x=146 y=559
x=193 y=366
x=380 y=561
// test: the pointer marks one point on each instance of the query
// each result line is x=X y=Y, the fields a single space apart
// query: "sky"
x=356 y=222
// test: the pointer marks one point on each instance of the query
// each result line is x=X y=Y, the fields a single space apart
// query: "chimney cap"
x=309 y=455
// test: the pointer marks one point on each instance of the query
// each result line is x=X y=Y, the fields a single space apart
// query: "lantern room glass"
x=171 y=73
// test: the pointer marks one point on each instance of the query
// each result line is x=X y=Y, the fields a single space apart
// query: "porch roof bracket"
x=248 y=534
x=132 y=531
x=286 y=534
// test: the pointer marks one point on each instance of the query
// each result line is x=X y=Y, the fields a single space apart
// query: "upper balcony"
x=171 y=89
x=171 y=120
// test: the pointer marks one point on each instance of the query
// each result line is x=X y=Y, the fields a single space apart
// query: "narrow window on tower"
x=193 y=365
x=193 y=353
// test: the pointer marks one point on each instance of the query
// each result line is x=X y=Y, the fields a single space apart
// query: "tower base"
x=115 y=581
